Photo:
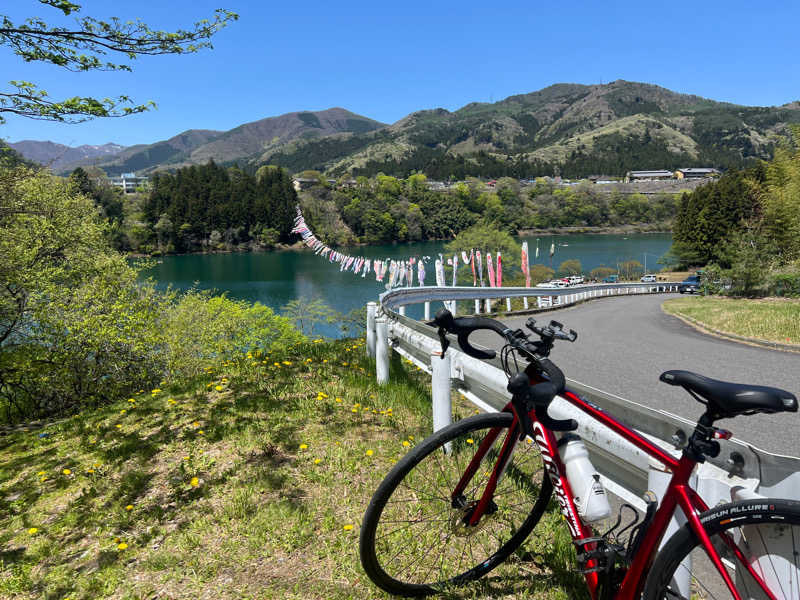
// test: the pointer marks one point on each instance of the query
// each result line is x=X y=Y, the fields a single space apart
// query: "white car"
x=559 y=283
x=575 y=279
x=649 y=279
x=546 y=284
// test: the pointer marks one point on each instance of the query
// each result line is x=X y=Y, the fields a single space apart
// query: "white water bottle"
x=590 y=497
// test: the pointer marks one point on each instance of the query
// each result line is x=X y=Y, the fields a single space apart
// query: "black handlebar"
x=523 y=394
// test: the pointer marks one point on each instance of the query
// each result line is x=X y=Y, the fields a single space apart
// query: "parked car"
x=546 y=284
x=575 y=279
x=560 y=283
x=649 y=279
x=690 y=285
x=611 y=279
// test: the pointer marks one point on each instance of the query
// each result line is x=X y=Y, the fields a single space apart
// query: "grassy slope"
x=775 y=320
x=249 y=484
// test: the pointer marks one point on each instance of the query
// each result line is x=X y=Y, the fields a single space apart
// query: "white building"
x=128 y=182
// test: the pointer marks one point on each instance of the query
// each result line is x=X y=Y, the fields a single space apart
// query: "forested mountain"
x=58 y=156
x=571 y=129
x=576 y=130
x=198 y=146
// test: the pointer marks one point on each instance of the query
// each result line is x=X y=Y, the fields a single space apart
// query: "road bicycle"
x=466 y=498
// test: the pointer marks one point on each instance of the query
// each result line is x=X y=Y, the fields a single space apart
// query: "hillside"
x=57 y=156
x=576 y=129
x=197 y=146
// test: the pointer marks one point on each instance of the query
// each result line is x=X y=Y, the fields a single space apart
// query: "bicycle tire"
x=759 y=528
x=381 y=545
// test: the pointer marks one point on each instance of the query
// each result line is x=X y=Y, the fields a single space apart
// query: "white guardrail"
x=741 y=470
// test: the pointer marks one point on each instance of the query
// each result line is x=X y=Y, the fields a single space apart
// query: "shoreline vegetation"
x=212 y=208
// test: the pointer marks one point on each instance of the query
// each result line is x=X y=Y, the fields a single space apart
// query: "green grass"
x=249 y=483
x=775 y=320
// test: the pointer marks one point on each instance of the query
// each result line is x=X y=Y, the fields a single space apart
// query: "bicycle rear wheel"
x=764 y=533
x=414 y=542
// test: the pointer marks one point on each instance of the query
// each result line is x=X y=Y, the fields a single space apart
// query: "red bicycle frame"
x=678 y=494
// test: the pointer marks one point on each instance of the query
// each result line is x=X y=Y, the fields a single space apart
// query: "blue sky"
x=387 y=59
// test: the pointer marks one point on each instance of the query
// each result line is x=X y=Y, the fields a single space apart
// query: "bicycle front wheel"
x=415 y=540
x=758 y=542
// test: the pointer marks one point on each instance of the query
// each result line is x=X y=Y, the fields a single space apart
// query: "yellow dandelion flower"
x=355 y=410
x=317 y=461
x=317 y=341
x=195 y=482
x=156 y=391
x=131 y=400
x=406 y=443
x=201 y=432
x=90 y=471
x=356 y=405
x=277 y=364
x=195 y=424
x=324 y=360
x=119 y=426
x=303 y=446
x=470 y=441
x=347 y=527
x=67 y=472
x=33 y=530
x=40 y=473
x=43 y=479
x=344 y=364
x=122 y=412
x=185 y=458
x=286 y=362
x=122 y=546
x=96 y=465
x=219 y=388
x=338 y=399
x=129 y=507
x=370 y=452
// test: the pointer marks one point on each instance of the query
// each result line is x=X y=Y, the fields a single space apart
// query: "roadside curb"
x=692 y=322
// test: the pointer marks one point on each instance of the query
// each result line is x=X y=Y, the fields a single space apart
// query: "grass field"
x=250 y=483
x=775 y=320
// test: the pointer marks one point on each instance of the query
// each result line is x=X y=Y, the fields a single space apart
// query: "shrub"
x=201 y=329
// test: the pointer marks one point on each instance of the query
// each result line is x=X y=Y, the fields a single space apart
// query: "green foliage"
x=307 y=314
x=78 y=329
x=487 y=238
x=186 y=208
x=711 y=213
x=540 y=273
x=630 y=269
x=601 y=272
x=201 y=329
x=570 y=267
x=83 y=47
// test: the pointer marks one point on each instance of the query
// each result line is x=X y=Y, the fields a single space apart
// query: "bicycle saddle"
x=725 y=400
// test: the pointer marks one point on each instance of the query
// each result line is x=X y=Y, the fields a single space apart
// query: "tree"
x=571 y=267
x=541 y=273
x=630 y=269
x=601 y=272
x=83 y=47
x=486 y=238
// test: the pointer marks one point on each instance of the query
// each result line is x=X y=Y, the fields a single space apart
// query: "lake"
x=275 y=278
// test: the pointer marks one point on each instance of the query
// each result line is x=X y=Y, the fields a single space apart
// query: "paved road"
x=625 y=343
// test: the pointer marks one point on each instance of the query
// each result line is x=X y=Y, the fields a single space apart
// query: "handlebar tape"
x=463 y=327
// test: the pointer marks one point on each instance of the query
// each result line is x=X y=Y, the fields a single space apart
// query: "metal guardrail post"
x=371 y=308
x=440 y=390
x=402 y=310
x=382 y=349
x=427 y=311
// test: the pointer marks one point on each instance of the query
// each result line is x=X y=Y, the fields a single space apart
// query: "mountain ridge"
x=571 y=128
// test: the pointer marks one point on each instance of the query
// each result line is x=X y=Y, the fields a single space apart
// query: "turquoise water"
x=275 y=278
